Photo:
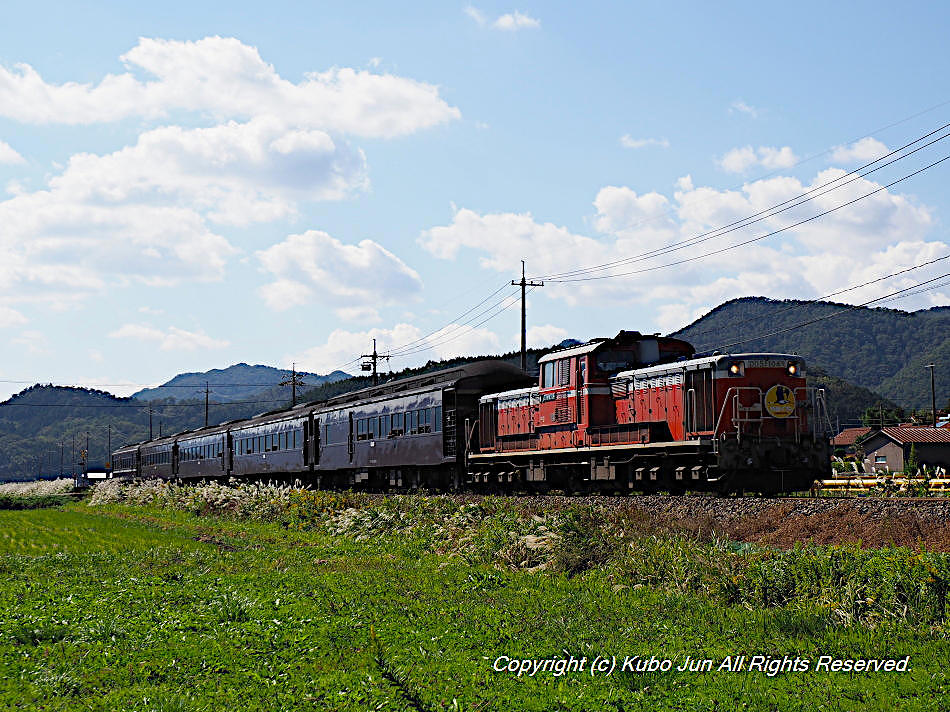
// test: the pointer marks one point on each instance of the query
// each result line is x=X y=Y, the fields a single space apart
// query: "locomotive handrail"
x=734 y=391
x=690 y=410
x=820 y=406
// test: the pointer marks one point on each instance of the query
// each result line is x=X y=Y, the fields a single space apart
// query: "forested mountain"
x=883 y=350
x=235 y=383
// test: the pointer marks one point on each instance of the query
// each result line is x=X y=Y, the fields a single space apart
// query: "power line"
x=769 y=212
x=742 y=223
x=892 y=295
x=805 y=302
x=760 y=237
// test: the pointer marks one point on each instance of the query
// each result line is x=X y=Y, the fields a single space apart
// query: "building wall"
x=889 y=450
x=930 y=454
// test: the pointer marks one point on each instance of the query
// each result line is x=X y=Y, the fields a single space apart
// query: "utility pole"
x=293 y=382
x=933 y=394
x=109 y=449
x=371 y=364
x=72 y=458
x=150 y=422
x=524 y=327
x=207 y=394
x=62 y=453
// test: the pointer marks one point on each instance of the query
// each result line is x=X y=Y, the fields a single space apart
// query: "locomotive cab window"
x=548 y=377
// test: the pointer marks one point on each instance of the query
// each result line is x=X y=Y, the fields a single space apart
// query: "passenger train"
x=633 y=413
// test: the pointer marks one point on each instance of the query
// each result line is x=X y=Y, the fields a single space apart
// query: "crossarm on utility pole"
x=524 y=327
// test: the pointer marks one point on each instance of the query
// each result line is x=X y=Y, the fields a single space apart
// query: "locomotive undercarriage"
x=726 y=466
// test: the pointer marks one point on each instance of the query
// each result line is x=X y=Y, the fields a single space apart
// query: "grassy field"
x=407 y=605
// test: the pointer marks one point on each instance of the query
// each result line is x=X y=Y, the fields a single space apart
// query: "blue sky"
x=192 y=185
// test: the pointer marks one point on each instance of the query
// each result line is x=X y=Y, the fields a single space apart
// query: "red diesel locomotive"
x=641 y=413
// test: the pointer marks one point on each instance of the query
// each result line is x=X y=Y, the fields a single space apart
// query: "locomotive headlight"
x=735 y=369
x=792 y=368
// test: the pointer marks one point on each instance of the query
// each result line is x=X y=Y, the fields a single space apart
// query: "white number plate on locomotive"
x=765 y=363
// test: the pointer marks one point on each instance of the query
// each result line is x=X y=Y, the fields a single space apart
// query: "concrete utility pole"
x=524 y=326
x=293 y=382
x=62 y=454
x=371 y=364
x=150 y=422
x=207 y=395
x=933 y=394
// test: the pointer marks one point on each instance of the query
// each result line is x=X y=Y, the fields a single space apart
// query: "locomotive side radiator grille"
x=449 y=442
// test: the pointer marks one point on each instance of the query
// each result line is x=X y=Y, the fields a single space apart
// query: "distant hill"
x=240 y=382
x=883 y=350
x=36 y=422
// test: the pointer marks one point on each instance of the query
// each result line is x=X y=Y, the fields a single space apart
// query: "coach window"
x=426 y=425
x=276 y=442
x=371 y=428
x=397 y=424
x=438 y=419
x=548 y=379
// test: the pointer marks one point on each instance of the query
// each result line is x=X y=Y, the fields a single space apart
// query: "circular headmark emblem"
x=780 y=401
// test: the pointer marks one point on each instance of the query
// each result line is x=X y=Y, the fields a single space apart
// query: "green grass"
x=125 y=608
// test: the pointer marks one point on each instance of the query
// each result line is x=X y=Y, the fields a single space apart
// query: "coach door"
x=175 y=458
x=229 y=453
x=349 y=440
x=315 y=437
x=307 y=441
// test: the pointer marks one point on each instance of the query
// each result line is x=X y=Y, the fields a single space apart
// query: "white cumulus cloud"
x=409 y=344
x=223 y=77
x=8 y=155
x=509 y=21
x=627 y=141
x=863 y=151
x=10 y=317
x=544 y=336
x=879 y=235
x=739 y=160
x=743 y=108
x=315 y=266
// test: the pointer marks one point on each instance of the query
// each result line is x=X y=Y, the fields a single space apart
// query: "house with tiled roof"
x=888 y=449
x=846 y=439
